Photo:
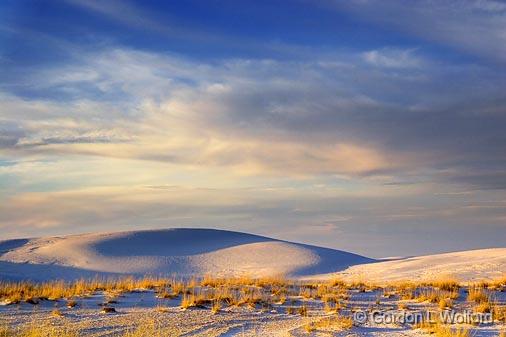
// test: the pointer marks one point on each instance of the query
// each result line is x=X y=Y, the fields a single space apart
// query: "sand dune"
x=181 y=252
x=465 y=266
x=188 y=252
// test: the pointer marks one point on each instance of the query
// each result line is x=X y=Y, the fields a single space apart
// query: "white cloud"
x=392 y=58
x=163 y=108
x=474 y=26
x=250 y=117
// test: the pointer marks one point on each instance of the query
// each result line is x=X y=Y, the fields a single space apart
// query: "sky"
x=373 y=126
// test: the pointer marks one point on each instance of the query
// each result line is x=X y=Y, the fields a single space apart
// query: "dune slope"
x=465 y=266
x=196 y=252
x=180 y=252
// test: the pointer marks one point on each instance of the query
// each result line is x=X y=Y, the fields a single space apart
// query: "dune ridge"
x=187 y=252
x=180 y=252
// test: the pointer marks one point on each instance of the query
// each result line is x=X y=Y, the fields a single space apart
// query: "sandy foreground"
x=142 y=310
x=187 y=252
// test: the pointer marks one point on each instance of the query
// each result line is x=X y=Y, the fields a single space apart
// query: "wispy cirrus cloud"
x=323 y=117
x=10 y=134
x=122 y=11
x=177 y=117
x=474 y=26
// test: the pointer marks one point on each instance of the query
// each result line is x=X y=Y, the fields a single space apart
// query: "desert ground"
x=197 y=282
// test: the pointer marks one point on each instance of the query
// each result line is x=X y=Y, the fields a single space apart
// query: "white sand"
x=465 y=266
x=180 y=252
x=187 y=252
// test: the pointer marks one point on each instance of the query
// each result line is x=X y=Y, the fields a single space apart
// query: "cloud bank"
x=333 y=144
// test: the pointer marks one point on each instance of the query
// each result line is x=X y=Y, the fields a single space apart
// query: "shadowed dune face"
x=172 y=242
x=179 y=252
x=7 y=245
x=334 y=262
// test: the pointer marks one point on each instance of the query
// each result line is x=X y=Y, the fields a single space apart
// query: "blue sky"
x=372 y=126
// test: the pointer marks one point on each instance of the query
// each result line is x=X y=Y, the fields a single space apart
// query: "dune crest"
x=180 y=252
x=186 y=252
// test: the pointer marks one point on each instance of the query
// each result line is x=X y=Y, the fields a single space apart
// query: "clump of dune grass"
x=444 y=283
x=14 y=292
x=325 y=292
x=388 y=292
x=359 y=285
x=162 y=309
x=330 y=307
x=303 y=310
x=188 y=301
x=436 y=296
x=330 y=298
x=330 y=323
x=445 y=331
x=484 y=307
x=401 y=285
x=499 y=283
x=337 y=283
x=263 y=282
x=216 y=307
x=291 y=310
x=38 y=330
x=478 y=295
x=178 y=287
x=306 y=292
x=198 y=299
x=332 y=302
x=56 y=313
x=405 y=290
x=499 y=312
x=149 y=328
x=440 y=330
x=6 y=331
x=167 y=294
x=445 y=303
x=482 y=299
x=407 y=294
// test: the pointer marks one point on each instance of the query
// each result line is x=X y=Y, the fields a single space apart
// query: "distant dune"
x=196 y=252
x=179 y=252
x=465 y=266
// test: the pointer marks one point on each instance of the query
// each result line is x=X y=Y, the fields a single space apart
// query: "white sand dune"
x=465 y=266
x=188 y=252
x=181 y=252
